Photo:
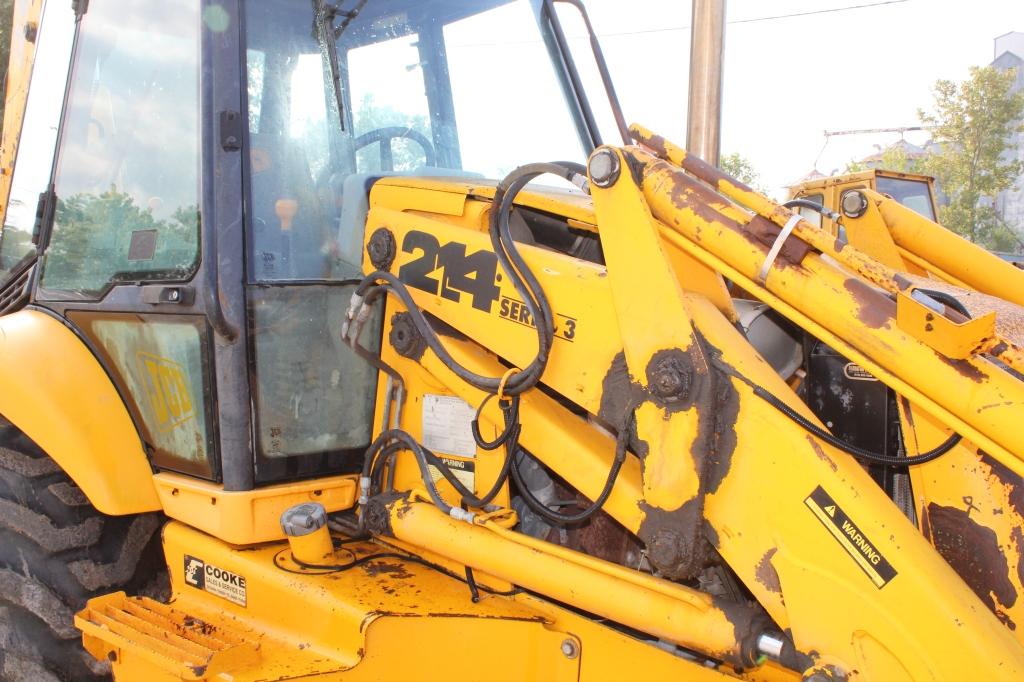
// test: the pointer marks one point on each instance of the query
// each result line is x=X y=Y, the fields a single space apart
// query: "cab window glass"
x=127 y=181
x=160 y=364
x=809 y=214
x=38 y=135
x=914 y=194
x=315 y=394
x=389 y=105
x=295 y=168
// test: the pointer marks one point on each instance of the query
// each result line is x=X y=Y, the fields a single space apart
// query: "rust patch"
x=1018 y=536
x=675 y=546
x=618 y=392
x=1012 y=482
x=636 y=169
x=676 y=543
x=822 y=455
x=974 y=553
x=395 y=570
x=600 y=536
x=710 y=174
x=712 y=535
x=766 y=574
x=748 y=622
x=793 y=658
x=673 y=382
x=765 y=232
x=876 y=310
x=722 y=437
x=963 y=368
x=654 y=142
x=999 y=348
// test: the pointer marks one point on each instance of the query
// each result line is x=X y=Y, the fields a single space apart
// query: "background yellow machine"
x=292 y=390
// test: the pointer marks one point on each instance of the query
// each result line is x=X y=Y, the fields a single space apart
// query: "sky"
x=787 y=80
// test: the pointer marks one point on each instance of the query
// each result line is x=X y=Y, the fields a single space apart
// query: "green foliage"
x=855 y=166
x=92 y=235
x=894 y=158
x=972 y=124
x=740 y=168
x=370 y=116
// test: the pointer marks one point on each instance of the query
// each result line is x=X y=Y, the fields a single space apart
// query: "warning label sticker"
x=447 y=425
x=465 y=471
x=850 y=537
x=217 y=581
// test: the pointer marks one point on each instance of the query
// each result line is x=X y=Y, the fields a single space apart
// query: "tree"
x=972 y=124
x=740 y=168
x=370 y=116
x=893 y=158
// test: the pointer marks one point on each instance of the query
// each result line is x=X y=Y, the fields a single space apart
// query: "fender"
x=54 y=389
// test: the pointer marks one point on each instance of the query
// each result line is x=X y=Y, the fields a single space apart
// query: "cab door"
x=129 y=221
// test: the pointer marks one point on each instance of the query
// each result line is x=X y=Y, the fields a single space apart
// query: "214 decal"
x=475 y=274
x=448 y=271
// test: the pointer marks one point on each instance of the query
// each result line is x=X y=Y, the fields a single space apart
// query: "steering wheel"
x=384 y=137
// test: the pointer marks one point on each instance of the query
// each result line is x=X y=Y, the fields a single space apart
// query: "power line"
x=817 y=11
x=671 y=29
x=752 y=20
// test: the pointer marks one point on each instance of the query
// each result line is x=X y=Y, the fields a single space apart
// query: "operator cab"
x=916 y=192
x=198 y=218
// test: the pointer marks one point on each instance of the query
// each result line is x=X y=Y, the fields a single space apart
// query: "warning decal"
x=850 y=537
x=465 y=471
x=217 y=581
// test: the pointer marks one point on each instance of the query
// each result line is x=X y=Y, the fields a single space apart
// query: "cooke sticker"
x=850 y=537
x=215 y=580
x=854 y=371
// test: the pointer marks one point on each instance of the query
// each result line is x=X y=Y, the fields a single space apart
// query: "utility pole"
x=704 y=109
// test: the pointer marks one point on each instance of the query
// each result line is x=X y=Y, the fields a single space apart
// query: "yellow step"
x=116 y=626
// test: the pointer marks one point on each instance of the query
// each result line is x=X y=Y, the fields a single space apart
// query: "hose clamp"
x=773 y=253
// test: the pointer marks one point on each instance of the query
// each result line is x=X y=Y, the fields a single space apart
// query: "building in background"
x=1009 y=54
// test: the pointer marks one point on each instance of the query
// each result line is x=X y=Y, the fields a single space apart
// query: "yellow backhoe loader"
x=339 y=341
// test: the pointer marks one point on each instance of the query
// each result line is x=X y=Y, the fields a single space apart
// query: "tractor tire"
x=56 y=552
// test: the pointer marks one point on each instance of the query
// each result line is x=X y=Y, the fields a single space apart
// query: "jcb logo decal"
x=167 y=388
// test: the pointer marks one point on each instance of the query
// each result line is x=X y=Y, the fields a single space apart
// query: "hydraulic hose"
x=560 y=519
x=805 y=203
x=857 y=452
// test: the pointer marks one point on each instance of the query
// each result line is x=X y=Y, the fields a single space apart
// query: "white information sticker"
x=447 y=425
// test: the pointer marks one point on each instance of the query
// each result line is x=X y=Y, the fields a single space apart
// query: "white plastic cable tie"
x=363 y=315
x=773 y=253
x=354 y=304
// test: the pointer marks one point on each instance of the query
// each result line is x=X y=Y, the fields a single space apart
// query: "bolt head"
x=570 y=649
x=604 y=167
x=669 y=380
